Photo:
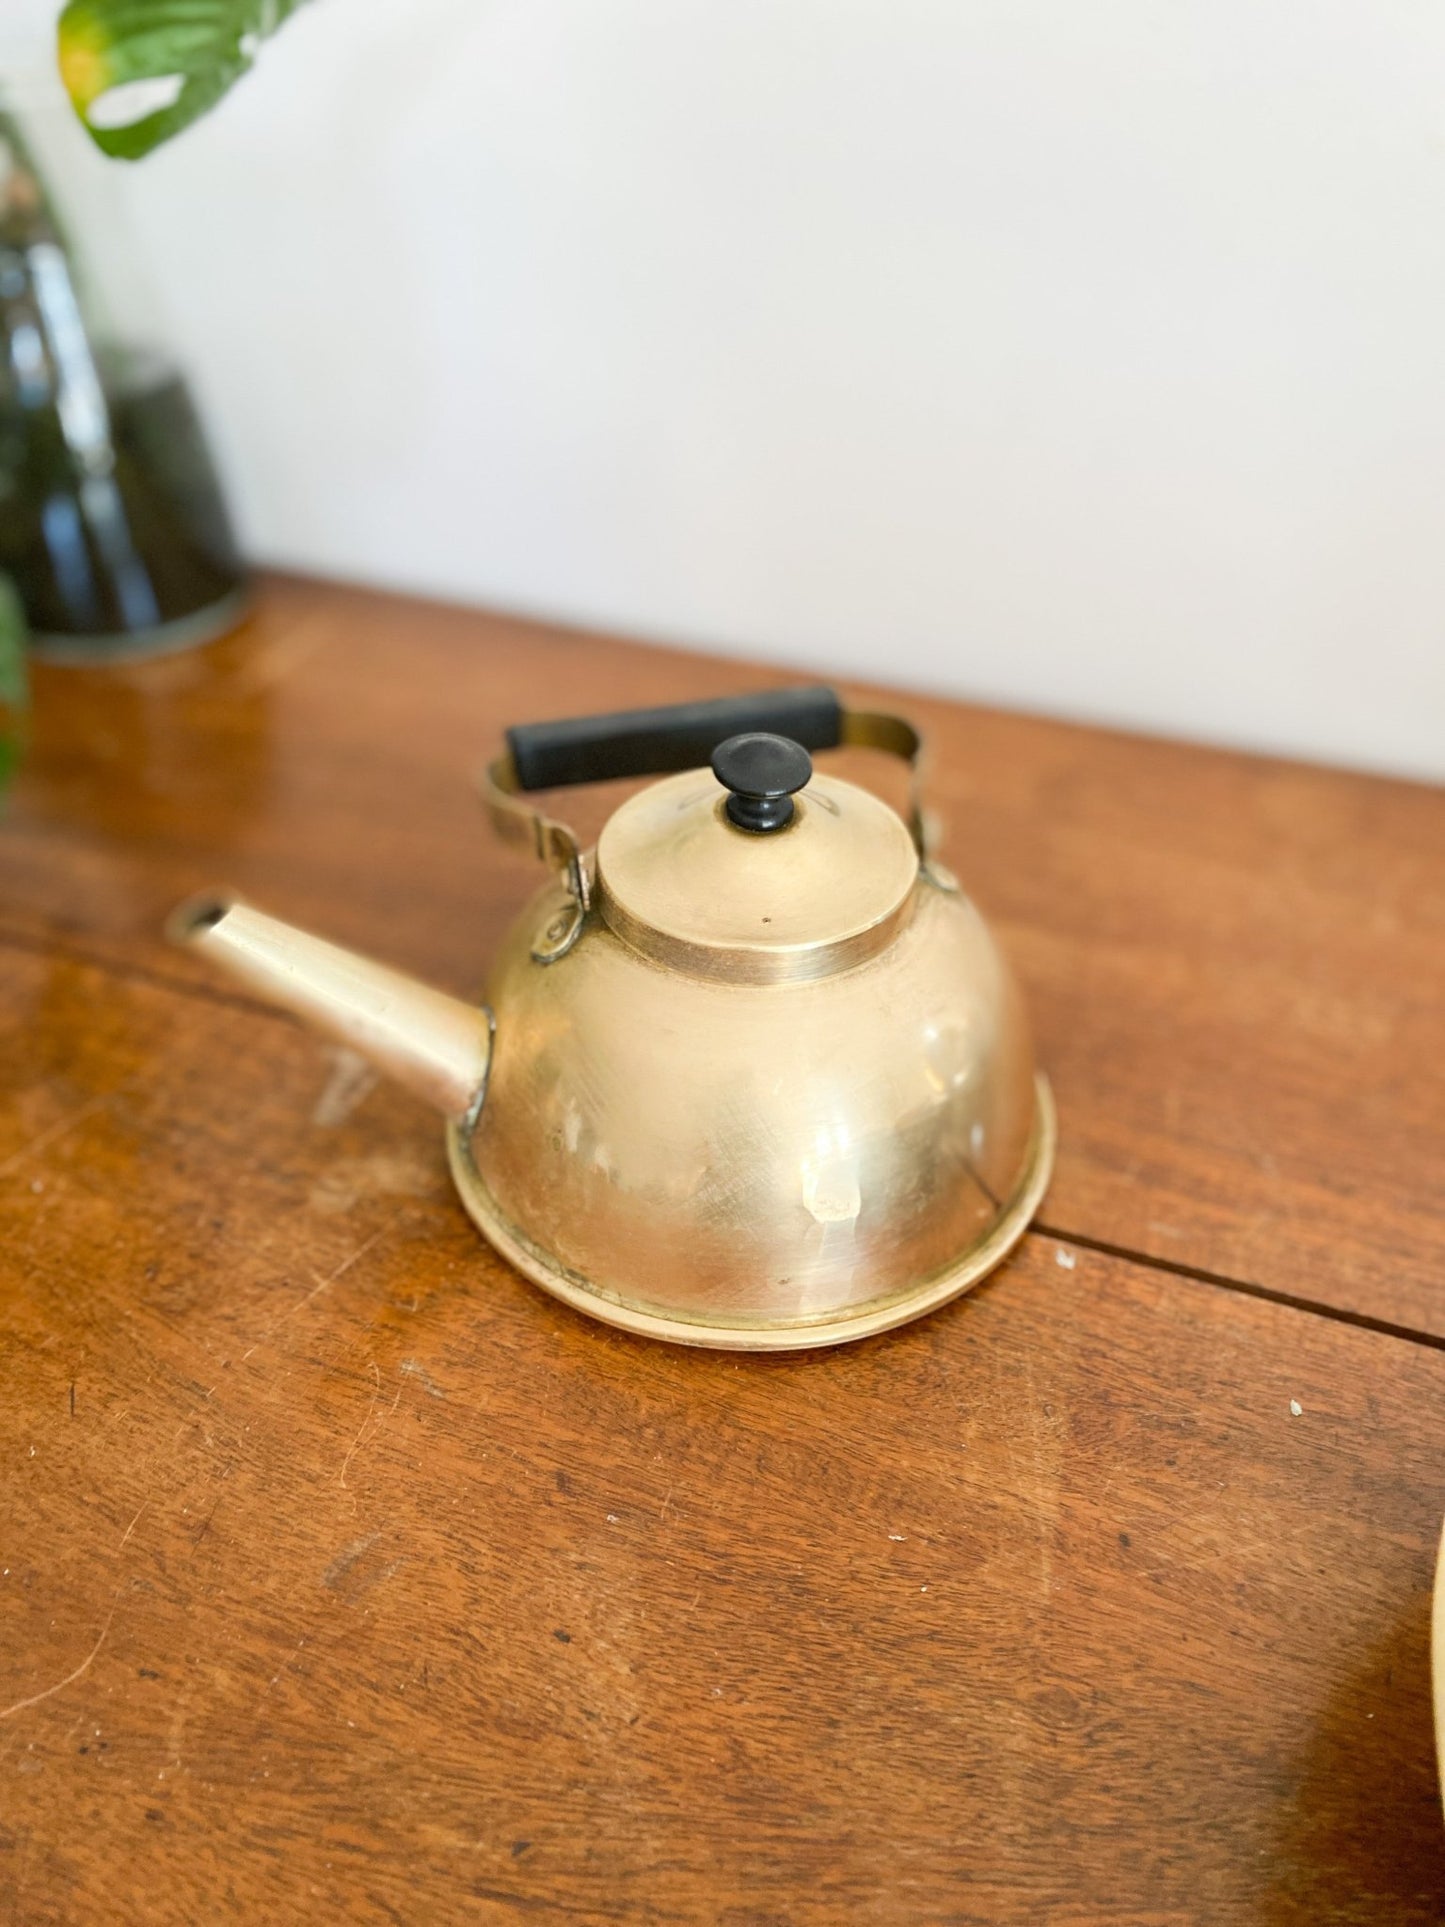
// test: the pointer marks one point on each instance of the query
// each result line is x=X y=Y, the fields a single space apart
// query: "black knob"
x=762 y=772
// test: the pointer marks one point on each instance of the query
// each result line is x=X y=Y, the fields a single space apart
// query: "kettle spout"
x=436 y=1046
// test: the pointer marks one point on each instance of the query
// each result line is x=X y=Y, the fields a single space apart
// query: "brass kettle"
x=752 y=1074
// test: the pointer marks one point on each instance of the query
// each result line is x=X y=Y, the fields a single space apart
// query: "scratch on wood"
x=70 y=1678
x=133 y=1524
x=322 y=1284
x=206 y=1524
x=287 y=1665
x=375 y=1396
x=55 y=1132
x=416 y=1369
x=345 y=1265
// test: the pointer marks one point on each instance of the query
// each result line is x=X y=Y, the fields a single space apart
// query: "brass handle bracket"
x=518 y=824
x=879 y=729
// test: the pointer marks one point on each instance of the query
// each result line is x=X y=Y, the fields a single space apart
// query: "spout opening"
x=190 y=920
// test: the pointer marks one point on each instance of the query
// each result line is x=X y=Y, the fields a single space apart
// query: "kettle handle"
x=656 y=742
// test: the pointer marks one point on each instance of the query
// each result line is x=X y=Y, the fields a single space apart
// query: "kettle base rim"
x=862 y=1321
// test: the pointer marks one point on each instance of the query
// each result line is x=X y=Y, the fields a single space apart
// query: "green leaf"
x=14 y=686
x=195 y=50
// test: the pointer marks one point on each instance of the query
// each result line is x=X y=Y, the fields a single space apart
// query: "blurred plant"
x=139 y=71
x=14 y=686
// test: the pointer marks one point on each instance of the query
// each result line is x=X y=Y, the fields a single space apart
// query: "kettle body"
x=753 y=1074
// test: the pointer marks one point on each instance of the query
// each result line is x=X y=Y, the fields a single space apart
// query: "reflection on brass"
x=762 y=1092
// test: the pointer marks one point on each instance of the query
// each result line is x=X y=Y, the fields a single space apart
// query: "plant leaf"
x=201 y=47
x=14 y=685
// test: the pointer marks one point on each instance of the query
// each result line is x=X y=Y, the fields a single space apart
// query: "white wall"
x=1083 y=357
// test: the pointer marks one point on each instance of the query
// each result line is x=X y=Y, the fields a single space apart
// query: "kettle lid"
x=762 y=871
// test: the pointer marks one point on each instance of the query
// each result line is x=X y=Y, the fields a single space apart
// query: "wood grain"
x=1234 y=964
x=346 y=1575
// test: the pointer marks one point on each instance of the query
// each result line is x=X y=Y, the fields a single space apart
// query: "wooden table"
x=348 y=1576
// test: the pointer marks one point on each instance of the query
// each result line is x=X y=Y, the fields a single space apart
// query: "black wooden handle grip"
x=654 y=742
